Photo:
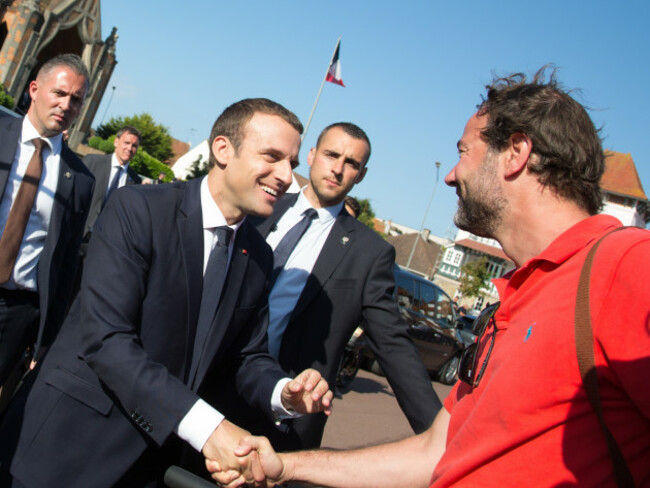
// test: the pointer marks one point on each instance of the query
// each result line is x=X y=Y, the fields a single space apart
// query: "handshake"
x=234 y=457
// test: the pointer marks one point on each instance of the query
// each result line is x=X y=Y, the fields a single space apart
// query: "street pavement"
x=368 y=414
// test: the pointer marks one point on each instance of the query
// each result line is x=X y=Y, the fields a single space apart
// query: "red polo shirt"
x=529 y=422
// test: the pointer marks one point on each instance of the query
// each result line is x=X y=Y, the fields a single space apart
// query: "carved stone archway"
x=37 y=30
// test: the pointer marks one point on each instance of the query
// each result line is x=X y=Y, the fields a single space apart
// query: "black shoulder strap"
x=586 y=363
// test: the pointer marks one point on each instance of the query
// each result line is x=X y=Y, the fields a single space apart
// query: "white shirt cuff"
x=279 y=412
x=198 y=424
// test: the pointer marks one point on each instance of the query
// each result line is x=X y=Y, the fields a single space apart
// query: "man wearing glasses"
x=530 y=161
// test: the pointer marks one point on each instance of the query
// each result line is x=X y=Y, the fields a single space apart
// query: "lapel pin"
x=67 y=174
x=345 y=240
x=244 y=251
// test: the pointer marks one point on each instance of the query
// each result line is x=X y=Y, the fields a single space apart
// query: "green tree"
x=142 y=163
x=474 y=277
x=6 y=100
x=367 y=215
x=155 y=137
x=198 y=168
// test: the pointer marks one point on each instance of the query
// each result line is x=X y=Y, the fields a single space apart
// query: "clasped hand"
x=234 y=457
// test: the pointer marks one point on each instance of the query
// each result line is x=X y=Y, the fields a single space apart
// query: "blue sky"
x=414 y=73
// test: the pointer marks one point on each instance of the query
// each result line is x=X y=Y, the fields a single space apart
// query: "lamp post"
x=110 y=99
x=417 y=238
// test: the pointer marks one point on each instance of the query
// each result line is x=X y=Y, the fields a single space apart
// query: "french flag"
x=334 y=71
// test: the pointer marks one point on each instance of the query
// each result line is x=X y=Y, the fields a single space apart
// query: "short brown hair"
x=350 y=129
x=569 y=154
x=128 y=129
x=234 y=118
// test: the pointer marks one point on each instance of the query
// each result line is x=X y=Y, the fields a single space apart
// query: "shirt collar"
x=577 y=237
x=29 y=132
x=212 y=215
x=567 y=244
x=324 y=214
x=116 y=162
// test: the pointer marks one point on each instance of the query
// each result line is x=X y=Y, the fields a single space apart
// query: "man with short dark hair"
x=530 y=160
x=112 y=171
x=336 y=276
x=173 y=291
x=41 y=233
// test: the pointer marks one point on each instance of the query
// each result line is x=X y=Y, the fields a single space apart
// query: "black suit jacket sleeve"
x=114 y=286
x=397 y=356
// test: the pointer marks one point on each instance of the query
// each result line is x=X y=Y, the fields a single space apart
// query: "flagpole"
x=313 y=109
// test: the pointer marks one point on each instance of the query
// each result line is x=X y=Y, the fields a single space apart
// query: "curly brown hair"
x=568 y=150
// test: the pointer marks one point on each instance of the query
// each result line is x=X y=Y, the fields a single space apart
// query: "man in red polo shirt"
x=530 y=161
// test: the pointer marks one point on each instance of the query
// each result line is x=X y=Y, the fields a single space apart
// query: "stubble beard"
x=480 y=210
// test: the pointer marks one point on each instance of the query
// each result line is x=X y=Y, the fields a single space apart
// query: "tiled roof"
x=301 y=180
x=621 y=176
x=484 y=248
x=178 y=149
x=425 y=256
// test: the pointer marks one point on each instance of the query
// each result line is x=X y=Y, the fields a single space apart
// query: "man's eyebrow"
x=352 y=160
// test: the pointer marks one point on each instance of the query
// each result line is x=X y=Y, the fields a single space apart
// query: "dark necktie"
x=114 y=183
x=288 y=243
x=16 y=224
x=213 y=282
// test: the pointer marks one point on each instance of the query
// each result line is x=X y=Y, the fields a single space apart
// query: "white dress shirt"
x=202 y=419
x=24 y=275
x=293 y=277
x=115 y=163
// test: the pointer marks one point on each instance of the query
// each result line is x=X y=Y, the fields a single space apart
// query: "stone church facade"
x=33 y=31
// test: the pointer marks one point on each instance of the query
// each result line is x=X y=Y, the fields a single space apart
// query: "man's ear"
x=519 y=150
x=361 y=174
x=310 y=156
x=33 y=88
x=222 y=150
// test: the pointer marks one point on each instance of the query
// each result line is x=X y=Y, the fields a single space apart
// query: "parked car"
x=465 y=326
x=432 y=325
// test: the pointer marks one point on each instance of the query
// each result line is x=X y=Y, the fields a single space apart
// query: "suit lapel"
x=190 y=232
x=61 y=201
x=9 y=134
x=339 y=241
x=265 y=226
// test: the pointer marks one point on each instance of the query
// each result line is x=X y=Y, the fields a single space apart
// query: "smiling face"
x=475 y=177
x=57 y=97
x=125 y=147
x=250 y=180
x=337 y=164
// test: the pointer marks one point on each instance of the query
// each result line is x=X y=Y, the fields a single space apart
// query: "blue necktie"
x=114 y=183
x=213 y=283
x=288 y=243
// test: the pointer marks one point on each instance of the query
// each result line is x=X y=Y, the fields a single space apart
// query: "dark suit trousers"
x=19 y=314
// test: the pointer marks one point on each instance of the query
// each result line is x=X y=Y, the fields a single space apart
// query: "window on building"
x=453 y=257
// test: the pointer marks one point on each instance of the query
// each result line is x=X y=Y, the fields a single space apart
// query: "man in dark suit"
x=112 y=171
x=38 y=254
x=123 y=384
x=339 y=275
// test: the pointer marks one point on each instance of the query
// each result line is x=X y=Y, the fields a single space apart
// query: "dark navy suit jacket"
x=100 y=166
x=351 y=284
x=113 y=386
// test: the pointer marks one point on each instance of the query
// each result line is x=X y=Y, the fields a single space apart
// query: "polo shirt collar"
x=567 y=244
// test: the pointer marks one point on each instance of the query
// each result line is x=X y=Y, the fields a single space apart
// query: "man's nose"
x=284 y=172
x=337 y=166
x=450 y=179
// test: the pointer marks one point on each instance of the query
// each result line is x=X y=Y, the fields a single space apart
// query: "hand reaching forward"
x=271 y=464
x=308 y=393
x=220 y=447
